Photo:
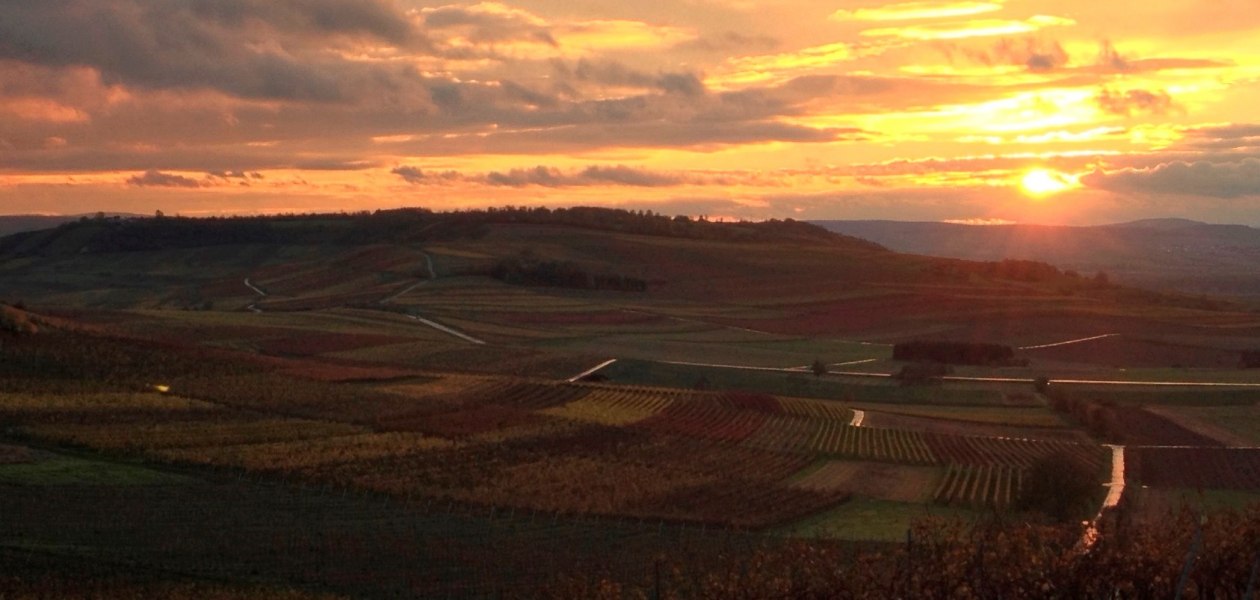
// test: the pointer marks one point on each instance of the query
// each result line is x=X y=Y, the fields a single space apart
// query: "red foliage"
x=705 y=418
x=752 y=401
x=605 y=317
x=463 y=423
x=308 y=343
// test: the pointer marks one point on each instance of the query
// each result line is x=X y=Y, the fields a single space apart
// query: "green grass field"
x=865 y=519
x=60 y=470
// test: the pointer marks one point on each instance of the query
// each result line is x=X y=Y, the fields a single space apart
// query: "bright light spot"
x=1044 y=182
x=161 y=388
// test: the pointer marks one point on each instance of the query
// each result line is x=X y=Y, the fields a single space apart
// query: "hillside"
x=784 y=277
x=10 y=224
x=494 y=404
x=1169 y=254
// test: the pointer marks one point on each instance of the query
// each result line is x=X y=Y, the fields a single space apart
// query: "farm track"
x=967 y=379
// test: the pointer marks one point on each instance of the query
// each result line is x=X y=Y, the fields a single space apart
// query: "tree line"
x=407 y=225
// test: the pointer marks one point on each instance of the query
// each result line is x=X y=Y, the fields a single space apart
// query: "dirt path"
x=1117 y=480
x=858 y=417
x=447 y=330
x=1021 y=380
x=592 y=370
x=253 y=306
x=1115 y=490
x=428 y=263
x=1069 y=342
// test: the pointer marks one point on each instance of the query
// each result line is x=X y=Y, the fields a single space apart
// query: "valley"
x=513 y=403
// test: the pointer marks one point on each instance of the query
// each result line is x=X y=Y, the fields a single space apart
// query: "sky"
x=980 y=111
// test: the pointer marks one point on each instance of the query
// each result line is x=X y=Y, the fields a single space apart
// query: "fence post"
x=656 y=590
x=1250 y=594
x=1190 y=556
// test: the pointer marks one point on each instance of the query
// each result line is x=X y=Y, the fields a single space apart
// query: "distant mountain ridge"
x=1171 y=254
x=10 y=224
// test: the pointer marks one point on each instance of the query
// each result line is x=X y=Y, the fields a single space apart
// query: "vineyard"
x=159 y=439
x=1195 y=468
x=649 y=453
x=979 y=487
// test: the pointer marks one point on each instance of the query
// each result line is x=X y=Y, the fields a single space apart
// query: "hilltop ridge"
x=115 y=234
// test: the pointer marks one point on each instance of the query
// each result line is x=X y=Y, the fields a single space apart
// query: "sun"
x=1044 y=182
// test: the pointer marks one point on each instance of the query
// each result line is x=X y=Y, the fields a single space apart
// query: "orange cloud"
x=970 y=29
x=916 y=10
x=42 y=109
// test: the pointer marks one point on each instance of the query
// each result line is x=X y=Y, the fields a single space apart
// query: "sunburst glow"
x=1044 y=182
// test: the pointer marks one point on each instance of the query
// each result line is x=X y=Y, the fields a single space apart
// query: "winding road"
x=253 y=306
x=447 y=330
x=592 y=370
x=1069 y=342
x=428 y=262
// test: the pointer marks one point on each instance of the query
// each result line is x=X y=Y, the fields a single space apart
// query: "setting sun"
x=1042 y=182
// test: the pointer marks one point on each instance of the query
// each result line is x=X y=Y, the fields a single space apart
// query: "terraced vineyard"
x=1195 y=468
x=979 y=487
x=1017 y=453
x=739 y=459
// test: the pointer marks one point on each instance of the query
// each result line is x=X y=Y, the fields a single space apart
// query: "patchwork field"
x=505 y=436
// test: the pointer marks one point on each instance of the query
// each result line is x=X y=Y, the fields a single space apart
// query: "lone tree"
x=819 y=367
x=1059 y=486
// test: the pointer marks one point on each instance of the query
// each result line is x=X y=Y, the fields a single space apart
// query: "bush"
x=922 y=373
x=16 y=321
x=1060 y=487
x=955 y=353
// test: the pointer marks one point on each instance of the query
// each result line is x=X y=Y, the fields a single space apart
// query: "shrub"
x=955 y=353
x=1060 y=487
x=16 y=321
x=922 y=373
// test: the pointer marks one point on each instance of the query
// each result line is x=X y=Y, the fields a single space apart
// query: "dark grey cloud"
x=612 y=73
x=373 y=18
x=1038 y=56
x=235 y=174
x=1203 y=178
x=334 y=164
x=540 y=175
x=1135 y=102
x=1111 y=60
x=545 y=176
x=624 y=175
x=322 y=110
x=246 y=48
x=1238 y=137
x=155 y=178
x=417 y=176
x=409 y=174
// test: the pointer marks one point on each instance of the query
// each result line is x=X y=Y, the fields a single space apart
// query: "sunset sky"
x=1063 y=111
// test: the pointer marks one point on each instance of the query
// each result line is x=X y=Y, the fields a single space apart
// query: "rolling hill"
x=409 y=403
x=10 y=224
x=780 y=276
